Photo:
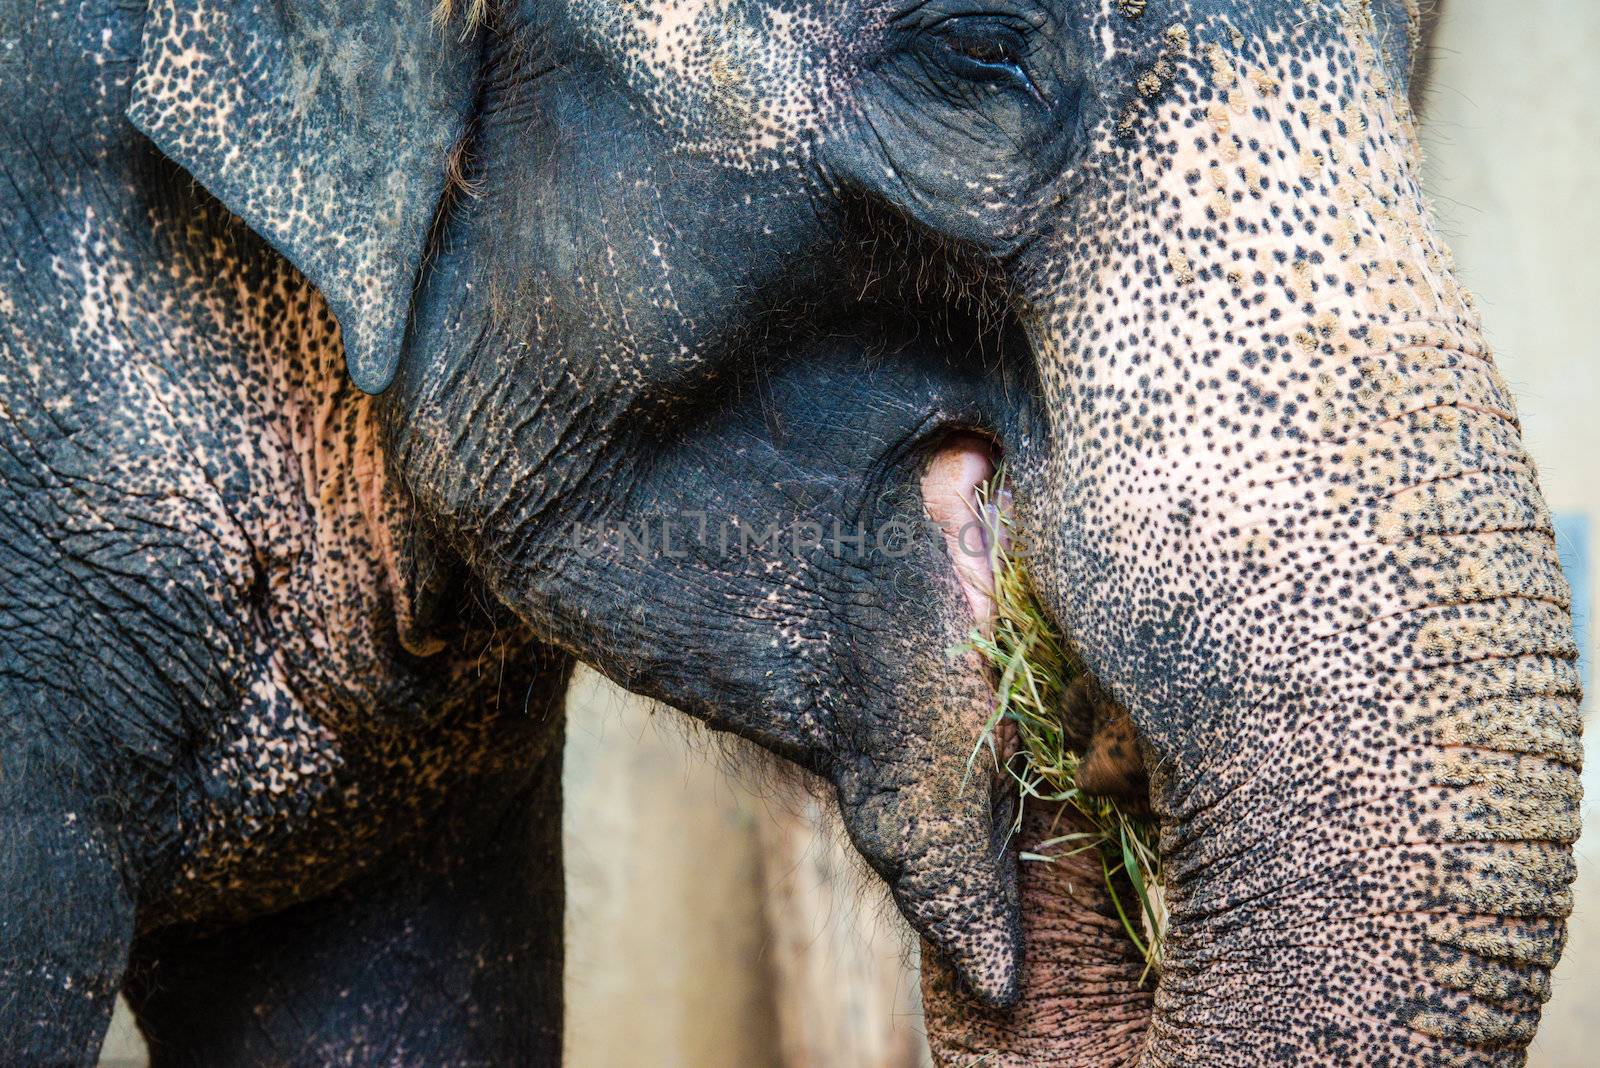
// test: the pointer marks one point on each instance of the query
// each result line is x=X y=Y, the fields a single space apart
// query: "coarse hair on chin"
x=472 y=11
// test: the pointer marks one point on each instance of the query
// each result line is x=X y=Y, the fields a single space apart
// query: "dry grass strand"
x=1034 y=669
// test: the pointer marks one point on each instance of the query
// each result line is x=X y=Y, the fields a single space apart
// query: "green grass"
x=1034 y=669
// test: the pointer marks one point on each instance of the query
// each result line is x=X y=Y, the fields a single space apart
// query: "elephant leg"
x=66 y=912
x=450 y=957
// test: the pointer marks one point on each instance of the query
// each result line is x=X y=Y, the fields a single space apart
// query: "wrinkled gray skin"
x=278 y=698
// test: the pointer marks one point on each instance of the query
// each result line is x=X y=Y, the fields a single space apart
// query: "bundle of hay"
x=1034 y=673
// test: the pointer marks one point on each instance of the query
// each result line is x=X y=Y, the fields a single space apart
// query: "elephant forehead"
x=1272 y=222
x=1255 y=325
x=750 y=83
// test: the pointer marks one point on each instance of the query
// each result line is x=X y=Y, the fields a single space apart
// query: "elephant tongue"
x=950 y=493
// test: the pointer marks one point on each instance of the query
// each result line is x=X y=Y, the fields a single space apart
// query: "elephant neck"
x=242 y=602
x=353 y=569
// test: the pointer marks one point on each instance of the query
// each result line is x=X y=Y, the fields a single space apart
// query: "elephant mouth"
x=953 y=493
x=956 y=491
x=964 y=498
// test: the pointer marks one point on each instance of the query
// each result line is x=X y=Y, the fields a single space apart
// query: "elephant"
x=366 y=365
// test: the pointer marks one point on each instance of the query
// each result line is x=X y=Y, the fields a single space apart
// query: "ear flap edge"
x=325 y=125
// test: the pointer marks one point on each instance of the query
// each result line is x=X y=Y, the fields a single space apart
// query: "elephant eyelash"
x=445 y=10
x=985 y=50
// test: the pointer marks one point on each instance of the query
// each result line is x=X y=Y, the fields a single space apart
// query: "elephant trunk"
x=1281 y=504
x=1377 y=868
x=1366 y=764
x=1382 y=875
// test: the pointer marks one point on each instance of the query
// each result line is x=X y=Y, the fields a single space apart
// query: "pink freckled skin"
x=950 y=490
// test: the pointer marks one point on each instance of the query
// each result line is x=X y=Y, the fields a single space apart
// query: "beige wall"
x=666 y=937
x=1513 y=139
x=712 y=923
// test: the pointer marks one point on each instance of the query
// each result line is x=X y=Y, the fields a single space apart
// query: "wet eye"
x=984 y=50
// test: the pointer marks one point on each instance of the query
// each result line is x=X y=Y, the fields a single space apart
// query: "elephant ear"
x=326 y=125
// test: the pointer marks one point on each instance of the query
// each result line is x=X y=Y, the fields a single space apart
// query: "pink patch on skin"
x=949 y=492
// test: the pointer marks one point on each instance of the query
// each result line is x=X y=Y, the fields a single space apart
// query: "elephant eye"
x=984 y=50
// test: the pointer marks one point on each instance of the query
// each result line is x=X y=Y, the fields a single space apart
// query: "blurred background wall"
x=715 y=920
x=715 y=916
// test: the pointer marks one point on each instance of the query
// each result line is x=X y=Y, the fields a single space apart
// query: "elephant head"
x=680 y=309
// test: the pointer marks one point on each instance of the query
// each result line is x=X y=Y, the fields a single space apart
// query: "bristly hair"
x=444 y=11
x=1425 y=31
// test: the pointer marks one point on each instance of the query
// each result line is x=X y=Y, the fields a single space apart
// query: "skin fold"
x=1081 y=967
x=363 y=365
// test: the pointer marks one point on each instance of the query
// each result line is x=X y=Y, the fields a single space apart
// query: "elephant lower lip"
x=950 y=492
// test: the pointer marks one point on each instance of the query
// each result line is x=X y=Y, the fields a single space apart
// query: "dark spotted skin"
x=233 y=677
x=283 y=652
x=1298 y=538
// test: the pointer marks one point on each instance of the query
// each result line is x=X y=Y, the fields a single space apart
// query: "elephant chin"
x=921 y=812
